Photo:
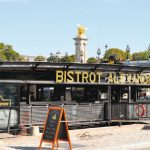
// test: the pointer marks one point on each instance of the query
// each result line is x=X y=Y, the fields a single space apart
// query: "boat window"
x=45 y=94
x=124 y=93
x=143 y=94
x=9 y=92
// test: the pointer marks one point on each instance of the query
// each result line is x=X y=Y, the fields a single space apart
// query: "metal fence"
x=130 y=111
x=8 y=118
x=84 y=113
x=76 y=114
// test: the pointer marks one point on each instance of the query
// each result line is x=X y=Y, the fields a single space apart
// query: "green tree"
x=21 y=58
x=67 y=58
x=2 y=56
x=71 y=58
x=40 y=58
x=121 y=55
x=141 y=55
x=2 y=46
x=11 y=55
x=7 y=53
x=92 y=60
x=54 y=58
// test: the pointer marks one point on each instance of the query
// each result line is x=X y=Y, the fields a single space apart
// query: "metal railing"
x=84 y=113
x=30 y=115
x=76 y=114
x=8 y=118
x=131 y=111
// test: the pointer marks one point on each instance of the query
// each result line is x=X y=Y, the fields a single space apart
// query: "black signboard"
x=62 y=134
x=56 y=127
x=51 y=125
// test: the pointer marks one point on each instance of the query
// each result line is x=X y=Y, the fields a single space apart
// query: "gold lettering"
x=95 y=77
x=85 y=77
x=135 y=79
x=145 y=81
x=128 y=78
x=99 y=76
x=59 y=76
x=148 y=79
x=70 y=76
x=142 y=79
x=78 y=73
x=122 y=78
x=110 y=78
x=65 y=76
x=92 y=77
x=116 y=78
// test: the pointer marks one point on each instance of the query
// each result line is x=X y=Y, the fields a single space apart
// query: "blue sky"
x=38 y=27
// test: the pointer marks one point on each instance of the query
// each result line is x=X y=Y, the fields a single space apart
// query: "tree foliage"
x=71 y=58
x=141 y=55
x=11 y=55
x=66 y=58
x=40 y=58
x=54 y=58
x=2 y=56
x=8 y=54
x=121 y=55
x=92 y=60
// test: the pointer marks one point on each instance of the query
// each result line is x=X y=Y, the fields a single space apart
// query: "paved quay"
x=126 y=137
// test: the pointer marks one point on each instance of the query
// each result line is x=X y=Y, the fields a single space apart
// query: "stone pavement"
x=127 y=137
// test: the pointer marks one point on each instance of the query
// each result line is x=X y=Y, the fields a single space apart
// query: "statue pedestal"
x=81 y=48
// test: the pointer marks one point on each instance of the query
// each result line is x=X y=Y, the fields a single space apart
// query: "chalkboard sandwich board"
x=55 y=128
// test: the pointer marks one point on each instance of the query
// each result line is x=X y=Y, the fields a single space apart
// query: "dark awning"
x=104 y=67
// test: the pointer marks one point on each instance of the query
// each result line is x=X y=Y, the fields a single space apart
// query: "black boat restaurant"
x=90 y=93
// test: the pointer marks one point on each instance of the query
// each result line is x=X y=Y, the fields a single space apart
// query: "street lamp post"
x=106 y=46
x=128 y=51
x=98 y=53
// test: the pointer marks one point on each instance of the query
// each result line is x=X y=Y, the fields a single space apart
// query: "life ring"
x=139 y=110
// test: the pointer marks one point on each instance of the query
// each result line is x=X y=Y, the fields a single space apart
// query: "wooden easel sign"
x=55 y=128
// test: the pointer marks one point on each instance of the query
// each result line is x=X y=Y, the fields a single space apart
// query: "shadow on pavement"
x=28 y=148
x=62 y=145
x=146 y=127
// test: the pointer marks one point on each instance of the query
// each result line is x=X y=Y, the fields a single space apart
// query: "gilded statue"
x=81 y=30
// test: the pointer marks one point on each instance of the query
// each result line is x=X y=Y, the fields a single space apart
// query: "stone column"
x=81 y=49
